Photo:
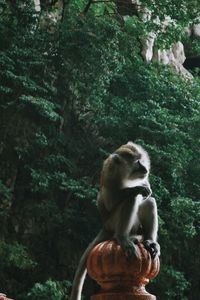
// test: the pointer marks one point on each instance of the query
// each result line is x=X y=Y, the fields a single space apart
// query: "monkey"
x=128 y=212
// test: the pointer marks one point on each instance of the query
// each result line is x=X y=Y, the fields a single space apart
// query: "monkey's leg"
x=127 y=222
x=81 y=270
x=149 y=219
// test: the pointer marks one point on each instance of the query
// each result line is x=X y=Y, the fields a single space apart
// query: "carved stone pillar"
x=121 y=278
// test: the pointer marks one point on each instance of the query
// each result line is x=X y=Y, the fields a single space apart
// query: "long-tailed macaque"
x=126 y=207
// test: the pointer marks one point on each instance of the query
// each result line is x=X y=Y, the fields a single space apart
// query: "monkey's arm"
x=81 y=270
x=149 y=221
x=108 y=204
x=125 y=222
x=132 y=192
x=104 y=213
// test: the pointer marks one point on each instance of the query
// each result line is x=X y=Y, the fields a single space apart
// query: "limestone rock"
x=174 y=57
x=37 y=5
x=182 y=71
x=196 y=28
x=147 y=47
x=164 y=57
x=178 y=52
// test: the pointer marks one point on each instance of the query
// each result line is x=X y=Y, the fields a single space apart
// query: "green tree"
x=70 y=93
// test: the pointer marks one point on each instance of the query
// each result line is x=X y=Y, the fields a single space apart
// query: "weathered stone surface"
x=37 y=5
x=164 y=57
x=174 y=57
x=147 y=47
x=196 y=28
x=178 y=52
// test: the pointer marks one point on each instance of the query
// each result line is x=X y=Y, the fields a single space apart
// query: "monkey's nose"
x=115 y=158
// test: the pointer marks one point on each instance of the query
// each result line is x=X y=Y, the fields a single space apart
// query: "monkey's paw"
x=135 y=239
x=152 y=247
x=128 y=246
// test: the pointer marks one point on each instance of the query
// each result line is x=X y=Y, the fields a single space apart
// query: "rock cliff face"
x=49 y=17
x=196 y=28
x=37 y=5
x=175 y=55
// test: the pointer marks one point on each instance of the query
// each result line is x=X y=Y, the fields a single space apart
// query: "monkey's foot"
x=152 y=247
x=128 y=246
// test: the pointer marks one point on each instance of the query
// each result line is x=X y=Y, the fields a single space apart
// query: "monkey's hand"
x=128 y=246
x=127 y=193
x=152 y=247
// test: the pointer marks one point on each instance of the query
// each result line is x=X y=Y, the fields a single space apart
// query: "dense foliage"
x=71 y=92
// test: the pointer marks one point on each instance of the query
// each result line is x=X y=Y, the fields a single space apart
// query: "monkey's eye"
x=127 y=156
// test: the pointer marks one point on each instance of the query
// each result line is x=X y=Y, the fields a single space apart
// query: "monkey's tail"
x=79 y=280
x=81 y=270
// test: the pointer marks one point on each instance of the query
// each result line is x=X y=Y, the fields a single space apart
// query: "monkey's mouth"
x=139 y=173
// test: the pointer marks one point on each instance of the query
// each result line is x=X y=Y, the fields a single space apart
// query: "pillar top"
x=118 y=274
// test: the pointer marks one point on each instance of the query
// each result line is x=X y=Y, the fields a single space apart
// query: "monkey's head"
x=127 y=167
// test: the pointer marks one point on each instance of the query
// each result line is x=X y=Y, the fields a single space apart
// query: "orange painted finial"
x=121 y=278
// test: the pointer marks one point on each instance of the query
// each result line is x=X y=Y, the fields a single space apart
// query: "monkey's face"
x=126 y=166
